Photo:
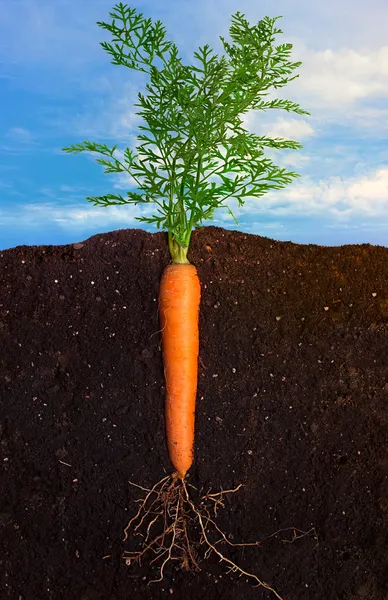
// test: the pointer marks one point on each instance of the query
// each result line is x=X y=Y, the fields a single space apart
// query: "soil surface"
x=292 y=403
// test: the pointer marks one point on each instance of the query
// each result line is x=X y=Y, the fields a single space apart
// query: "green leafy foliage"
x=193 y=153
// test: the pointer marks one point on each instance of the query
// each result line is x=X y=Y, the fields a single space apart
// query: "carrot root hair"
x=174 y=527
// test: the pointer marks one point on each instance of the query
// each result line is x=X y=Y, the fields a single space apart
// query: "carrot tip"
x=176 y=475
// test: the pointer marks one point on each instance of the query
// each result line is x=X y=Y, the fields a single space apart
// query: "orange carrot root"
x=179 y=299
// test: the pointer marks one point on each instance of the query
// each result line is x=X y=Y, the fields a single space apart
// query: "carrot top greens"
x=194 y=153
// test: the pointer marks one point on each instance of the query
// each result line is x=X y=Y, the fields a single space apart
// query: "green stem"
x=178 y=252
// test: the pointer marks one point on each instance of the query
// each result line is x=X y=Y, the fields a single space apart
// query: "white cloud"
x=74 y=217
x=73 y=189
x=372 y=121
x=95 y=216
x=19 y=141
x=109 y=117
x=288 y=128
x=319 y=23
x=292 y=160
x=124 y=182
x=370 y=194
x=20 y=134
x=337 y=79
x=337 y=197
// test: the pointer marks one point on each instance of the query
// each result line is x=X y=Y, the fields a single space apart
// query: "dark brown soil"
x=292 y=402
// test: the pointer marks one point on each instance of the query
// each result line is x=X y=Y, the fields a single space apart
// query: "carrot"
x=193 y=157
x=202 y=106
x=179 y=299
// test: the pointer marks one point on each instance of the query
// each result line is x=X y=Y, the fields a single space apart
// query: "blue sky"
x=57 y=87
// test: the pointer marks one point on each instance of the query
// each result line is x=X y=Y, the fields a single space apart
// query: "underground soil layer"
x=292 y=403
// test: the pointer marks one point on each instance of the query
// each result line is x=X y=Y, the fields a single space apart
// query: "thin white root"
x=169 y=517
